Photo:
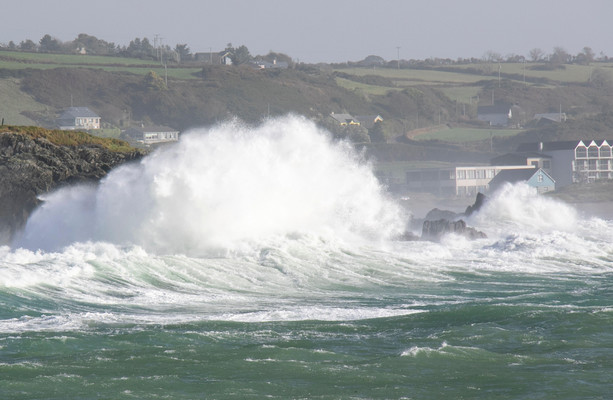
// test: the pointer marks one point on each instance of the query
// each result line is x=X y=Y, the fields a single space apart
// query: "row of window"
x=593 y=152
x=593 y=165
x=460 y=174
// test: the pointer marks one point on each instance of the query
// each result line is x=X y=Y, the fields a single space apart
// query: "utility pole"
x=499 y=73
x=398 y=56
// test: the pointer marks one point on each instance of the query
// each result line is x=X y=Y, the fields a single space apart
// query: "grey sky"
x=326 y=30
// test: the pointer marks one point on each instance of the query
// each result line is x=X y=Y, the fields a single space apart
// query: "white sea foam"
x=224 y=188
x=274 y=223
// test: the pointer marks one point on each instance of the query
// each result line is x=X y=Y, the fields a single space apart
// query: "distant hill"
x=126 y=91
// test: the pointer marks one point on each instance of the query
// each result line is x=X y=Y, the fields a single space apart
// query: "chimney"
x=540 y=147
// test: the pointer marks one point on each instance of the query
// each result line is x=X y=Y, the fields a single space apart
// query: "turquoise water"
x=462 y=328
x=135 y=289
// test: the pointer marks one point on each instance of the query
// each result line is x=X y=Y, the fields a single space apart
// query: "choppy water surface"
x=260 y=262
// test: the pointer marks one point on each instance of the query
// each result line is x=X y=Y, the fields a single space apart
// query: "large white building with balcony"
x=576 y=161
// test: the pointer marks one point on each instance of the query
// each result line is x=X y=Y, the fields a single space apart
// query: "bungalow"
x=553 y=117
x=536 y=178
x=499 y=114
x=344 y=119
x=78 y=118
x=218 y=58
x=148 y=135
x=261 y=64
x=368 y=121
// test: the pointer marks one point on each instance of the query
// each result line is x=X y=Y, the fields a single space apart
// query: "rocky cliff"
x=31 y=166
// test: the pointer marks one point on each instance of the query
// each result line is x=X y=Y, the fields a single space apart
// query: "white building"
x=576 y=161
x=465 y=181
x=78 y=118
x=151 y=134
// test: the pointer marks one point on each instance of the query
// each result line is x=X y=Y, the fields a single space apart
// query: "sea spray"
x=519 y=207
x=227 y=187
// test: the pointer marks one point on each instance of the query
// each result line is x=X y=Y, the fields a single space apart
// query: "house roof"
x=555 y=117
x=502 y=108
x=516 y=175
x=562 y=145
x=519 y=158
x=343 y=118
x=150 y=129
x=368 y=121
x=78 y=112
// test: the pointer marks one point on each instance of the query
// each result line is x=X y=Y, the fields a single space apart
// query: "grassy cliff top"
x=70 y=138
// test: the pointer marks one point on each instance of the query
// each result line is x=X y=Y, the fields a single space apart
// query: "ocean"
x=250 y=262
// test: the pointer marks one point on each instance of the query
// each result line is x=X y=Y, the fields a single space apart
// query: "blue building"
x=537 y=178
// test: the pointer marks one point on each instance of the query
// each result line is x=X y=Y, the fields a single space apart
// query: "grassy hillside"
x=36 y=87
x=70 y=138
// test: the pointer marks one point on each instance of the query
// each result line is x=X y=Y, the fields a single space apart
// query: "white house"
x=78 y=118
x=151 y=134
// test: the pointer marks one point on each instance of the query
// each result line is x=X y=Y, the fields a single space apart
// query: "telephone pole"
x=398 y=56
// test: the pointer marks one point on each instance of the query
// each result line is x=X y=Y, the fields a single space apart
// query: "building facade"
x=78 y=118
x=465 y=181
x=148 y=135
x=576 y=161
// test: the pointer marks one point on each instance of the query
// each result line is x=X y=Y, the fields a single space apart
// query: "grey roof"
x=78 y=112
x=495 y=109
x=516 y=175
x=513 y=175
x=519 y=158
x=343 y=118
x=562 y=145
x=556 y=117
x=150 y=129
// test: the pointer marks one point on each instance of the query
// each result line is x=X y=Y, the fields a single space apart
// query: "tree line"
x=137 y=48
x=88 y=44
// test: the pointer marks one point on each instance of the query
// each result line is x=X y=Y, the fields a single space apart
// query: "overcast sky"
x=326 y=30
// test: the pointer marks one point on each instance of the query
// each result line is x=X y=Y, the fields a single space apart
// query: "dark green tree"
x=376 y=133
x=28 y=45
x=49 y=44
x=239 y=55
x=183 y=52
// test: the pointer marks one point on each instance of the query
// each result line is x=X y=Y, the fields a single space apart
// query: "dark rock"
x=434 y=230
x=408 y=237
x=479 y=201
x=435 y=214
x=31 y=167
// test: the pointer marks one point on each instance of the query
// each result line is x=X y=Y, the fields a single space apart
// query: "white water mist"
x=223 y=188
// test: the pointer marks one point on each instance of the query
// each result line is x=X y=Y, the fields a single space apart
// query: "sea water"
x=262 y=262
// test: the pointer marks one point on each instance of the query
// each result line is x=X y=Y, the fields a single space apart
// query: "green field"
x=464 y=135
x=13 y=102
x=14 y=60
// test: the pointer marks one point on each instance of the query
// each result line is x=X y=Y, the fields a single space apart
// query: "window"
x=535 y=164
x=592 y=152
x=592 y=165
x=471 y=174
x=490 y=173
x=581 y=152
x=481 y=174
x=605 y=151
x=461 y=174
x=580 y=165
x=546 y=164
x=603 y=165
x=539 y=178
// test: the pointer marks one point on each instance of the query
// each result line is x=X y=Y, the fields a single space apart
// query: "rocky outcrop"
x=479 y=202
x=30 y=167
x=441 y=222
x=434 y=230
